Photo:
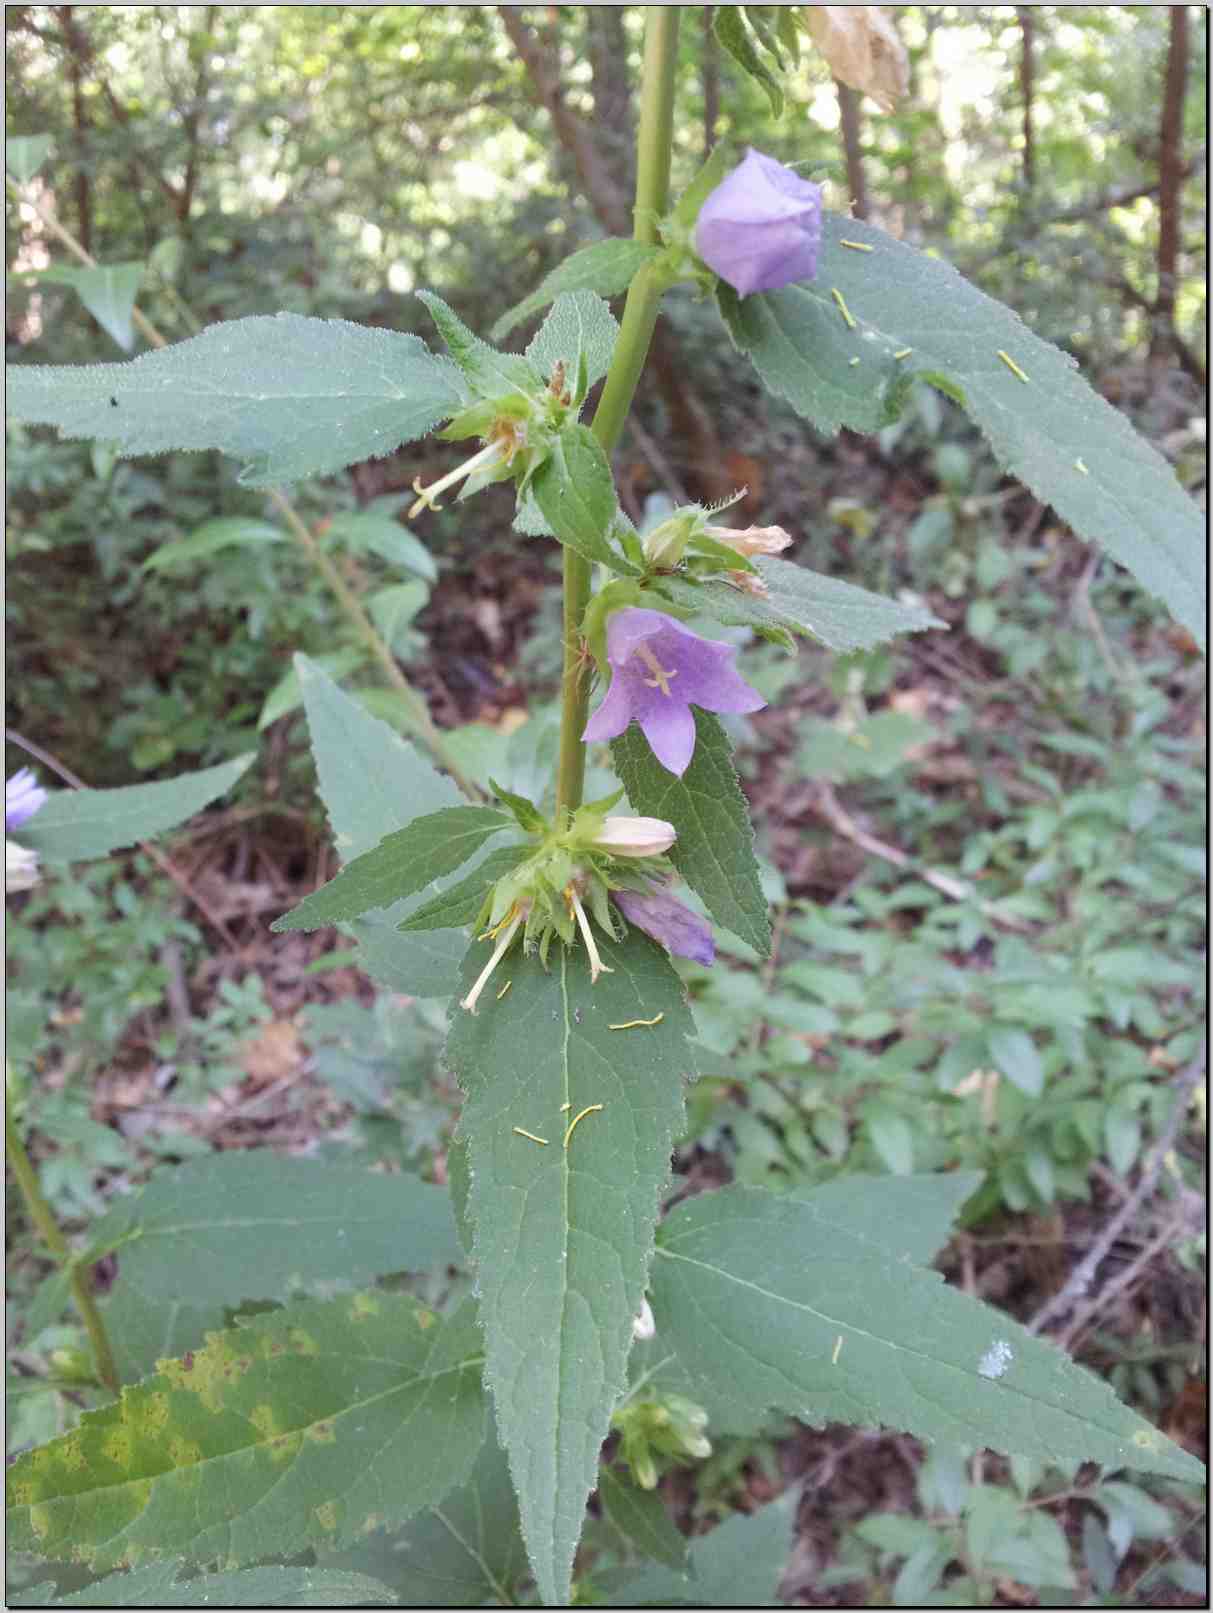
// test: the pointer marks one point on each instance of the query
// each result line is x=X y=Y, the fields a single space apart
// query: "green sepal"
x=615 y=596
x=401 y=864
x=526 y=813
x=460 y=905
x=489 y=373
x=712 y=549
x=686 y=209
x=628 y=539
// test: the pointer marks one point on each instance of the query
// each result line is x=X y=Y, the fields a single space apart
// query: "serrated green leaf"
x=403 y=863
x=910 y=1216
x=264 y=1225
x=74 y=824
x=228 y=532
x=575 y=491
x=490 y=374
x=842 y=616
x=606 y=267
x=457 y=906
x=1059 y=437
x=287 y=693
x=384 y=536
x=304 y=1426
x=290 y=396
x=641 y=1518
x=252 y=1227
x=891 y=1136
x=737 y=1564
x=563 y=1235
x=373 y=782
x=733 y=35
x=1013 y=1051
x=24 y=154
x=755 y=1294
x=157 y=1585
x=468 y=1551
x=714 y=851
x=107 y=290
x=526 y=814
x=580 y=328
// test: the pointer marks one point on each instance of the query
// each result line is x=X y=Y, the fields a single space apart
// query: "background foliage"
x=984 y=848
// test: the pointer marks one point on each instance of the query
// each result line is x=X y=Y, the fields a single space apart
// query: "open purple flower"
x=658 y=670
x=22 y=798
x=761 y=227
x=663 y=917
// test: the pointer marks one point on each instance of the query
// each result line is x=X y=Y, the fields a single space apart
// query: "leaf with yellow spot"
x=238 y=1451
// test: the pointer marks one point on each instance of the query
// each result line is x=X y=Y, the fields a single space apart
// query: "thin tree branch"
x=1083 y=1275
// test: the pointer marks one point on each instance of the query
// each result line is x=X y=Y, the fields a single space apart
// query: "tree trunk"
x=1027 y=74
x=1170 y=181
x=709 y=69
x=200 y=51
x=77 y=56
x=848 y=106
x=607 y=47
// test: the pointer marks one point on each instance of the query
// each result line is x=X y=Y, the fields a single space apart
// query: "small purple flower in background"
x=22 y=798
x=663 y=917
x=658 y=669
x=761 y=227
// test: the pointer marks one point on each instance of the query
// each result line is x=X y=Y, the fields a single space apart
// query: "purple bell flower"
x=761 y=227
x=663 y=917
x=22 y=798
x=658 y=669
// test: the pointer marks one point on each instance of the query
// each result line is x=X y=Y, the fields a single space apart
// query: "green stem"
x=44 y=1220
x=422 y=724
x=419 y=716
x=653 y=141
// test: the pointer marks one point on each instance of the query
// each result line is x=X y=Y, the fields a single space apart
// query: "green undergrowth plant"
x=416 y=1383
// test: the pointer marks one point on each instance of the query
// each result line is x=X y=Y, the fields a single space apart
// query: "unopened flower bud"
x=664 y=545
x=643 y=1325
x=761 y=227
x=635 y=837
x=20 y=867
x=751 y=539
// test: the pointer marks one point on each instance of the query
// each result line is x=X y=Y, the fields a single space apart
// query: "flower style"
x=761 y=227
x=506 y=439
x=663 y=917
x=659 y=668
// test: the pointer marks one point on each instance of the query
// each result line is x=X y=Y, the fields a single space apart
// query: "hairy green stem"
x=41 y=1215
x=419 y=718
x=654 y=139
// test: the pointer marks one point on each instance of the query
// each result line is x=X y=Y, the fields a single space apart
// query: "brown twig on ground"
x=1083 y=1275
x=658 y=462
x=832 y=810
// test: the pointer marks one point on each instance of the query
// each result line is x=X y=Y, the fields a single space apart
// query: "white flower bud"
x=635 y=837
x=751 y=539
x=643 y=1325
x=21 y=866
